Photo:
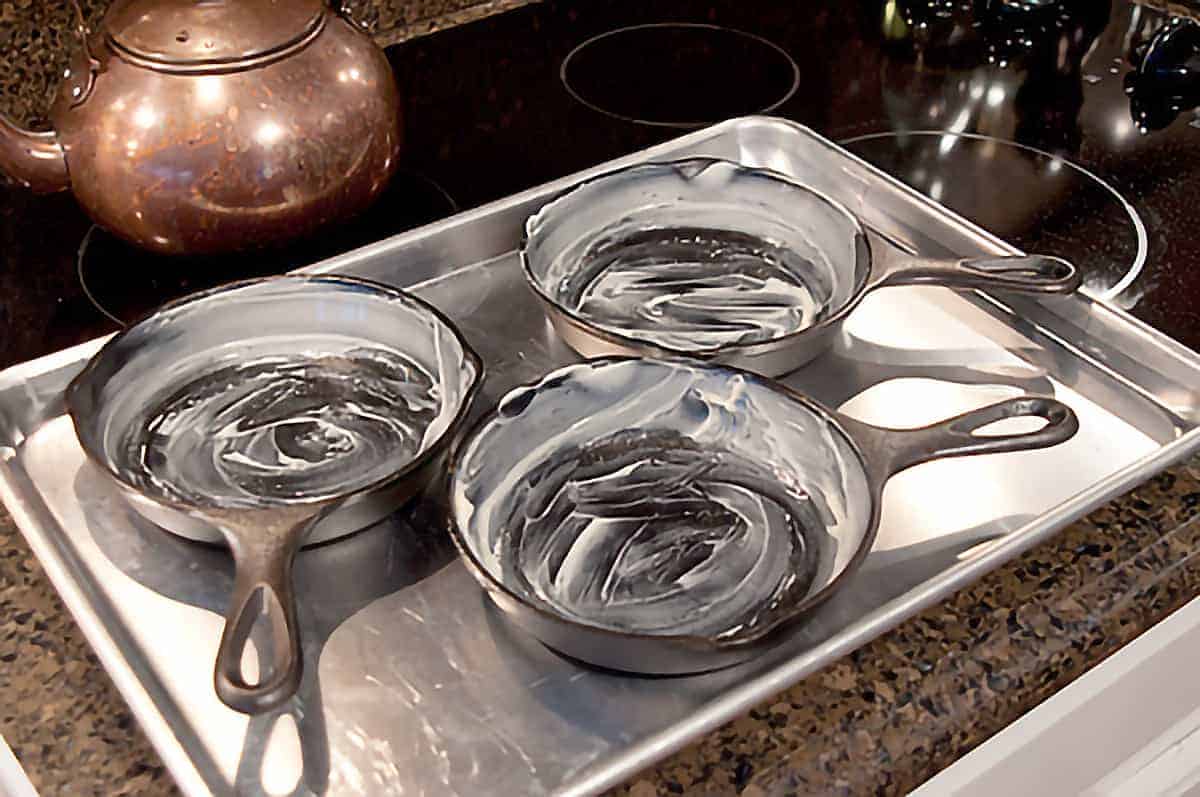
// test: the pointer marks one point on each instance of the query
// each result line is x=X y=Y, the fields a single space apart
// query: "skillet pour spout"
x=671 y=516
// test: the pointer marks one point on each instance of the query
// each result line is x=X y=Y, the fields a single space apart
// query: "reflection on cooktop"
x=688 y=75
x=125 y=282
x=1035 y=200
x=1016 y=29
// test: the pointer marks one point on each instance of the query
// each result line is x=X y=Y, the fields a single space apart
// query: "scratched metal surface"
x=414 y=684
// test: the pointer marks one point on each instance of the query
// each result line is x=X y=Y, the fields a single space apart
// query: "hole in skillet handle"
x=261 y=654
x=1008 y=426
x=1033 y=274
x=1027 y=272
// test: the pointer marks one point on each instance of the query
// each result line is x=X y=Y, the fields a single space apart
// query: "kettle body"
x=203 y=126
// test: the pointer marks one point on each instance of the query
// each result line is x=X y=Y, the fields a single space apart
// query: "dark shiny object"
x=1167 y=79
x=215 y=126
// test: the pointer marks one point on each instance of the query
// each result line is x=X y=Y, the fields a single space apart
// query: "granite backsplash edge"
x=37 y=38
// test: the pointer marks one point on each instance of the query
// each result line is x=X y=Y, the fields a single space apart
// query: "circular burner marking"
x=687 y=74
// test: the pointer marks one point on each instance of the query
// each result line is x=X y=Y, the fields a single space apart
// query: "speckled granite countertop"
x=882 y=719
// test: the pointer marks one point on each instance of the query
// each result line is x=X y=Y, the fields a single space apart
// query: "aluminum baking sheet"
x=415 y=685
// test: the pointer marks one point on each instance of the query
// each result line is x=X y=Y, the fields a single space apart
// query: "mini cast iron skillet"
x=710 y=259
x=269 y=413
x=670 y=516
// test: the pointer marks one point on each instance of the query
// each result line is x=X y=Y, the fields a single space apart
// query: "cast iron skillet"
x=525 y=471
x=268 y=317
x=701 y=195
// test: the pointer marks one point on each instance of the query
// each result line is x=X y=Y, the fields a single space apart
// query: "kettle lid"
x=188 y=35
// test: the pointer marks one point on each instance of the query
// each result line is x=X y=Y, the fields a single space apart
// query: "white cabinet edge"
x=1130 y=726
x=13 y=782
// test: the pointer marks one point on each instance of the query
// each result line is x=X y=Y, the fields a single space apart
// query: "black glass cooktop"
x=1067 y=126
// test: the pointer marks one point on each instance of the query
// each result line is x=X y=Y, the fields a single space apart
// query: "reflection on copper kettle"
x=216 y=125
x=1166 y=78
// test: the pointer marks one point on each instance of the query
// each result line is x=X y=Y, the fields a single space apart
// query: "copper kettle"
x=205 y=126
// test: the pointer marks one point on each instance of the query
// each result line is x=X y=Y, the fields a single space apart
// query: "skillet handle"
x=889 y=451
x=1038 y=274
x=264 y=564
